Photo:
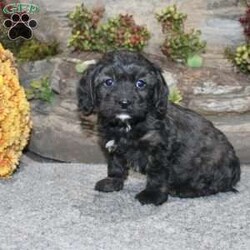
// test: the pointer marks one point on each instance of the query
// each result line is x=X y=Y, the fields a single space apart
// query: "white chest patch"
x=123 y=117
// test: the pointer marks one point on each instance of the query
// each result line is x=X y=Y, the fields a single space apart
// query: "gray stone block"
x=64 y=139
x=215 y=4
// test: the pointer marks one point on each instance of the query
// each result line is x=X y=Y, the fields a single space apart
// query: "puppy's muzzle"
x=124 y=103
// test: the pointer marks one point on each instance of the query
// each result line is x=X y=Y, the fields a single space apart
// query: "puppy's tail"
x=234 y=190
x=230 y=189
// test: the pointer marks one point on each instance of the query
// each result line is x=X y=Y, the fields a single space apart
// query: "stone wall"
x=59 y=134
x=217 y=19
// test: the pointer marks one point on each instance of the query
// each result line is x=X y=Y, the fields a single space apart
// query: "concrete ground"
x=54 y=206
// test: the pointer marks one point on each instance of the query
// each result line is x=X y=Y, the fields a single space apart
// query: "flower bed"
x=15 y=121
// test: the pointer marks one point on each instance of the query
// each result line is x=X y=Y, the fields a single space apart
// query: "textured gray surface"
x=54 y=206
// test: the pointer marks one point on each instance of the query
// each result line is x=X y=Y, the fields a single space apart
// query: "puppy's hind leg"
x=117 y=173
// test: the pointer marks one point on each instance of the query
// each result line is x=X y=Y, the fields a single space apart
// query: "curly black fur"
x=181 y=152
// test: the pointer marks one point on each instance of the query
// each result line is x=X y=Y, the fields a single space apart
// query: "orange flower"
x=15 y=120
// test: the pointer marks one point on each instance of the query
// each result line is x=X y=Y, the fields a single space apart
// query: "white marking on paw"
x=123 y=117
x=110 y=145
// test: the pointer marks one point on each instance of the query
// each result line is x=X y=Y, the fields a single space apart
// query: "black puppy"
x=181 y=152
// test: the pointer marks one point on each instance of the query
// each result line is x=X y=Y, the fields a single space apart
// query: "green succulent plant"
x=240 y=57
x=175 y=95
x=33 y=50
x=40 y=90
x=171 y=19
x=179 y=45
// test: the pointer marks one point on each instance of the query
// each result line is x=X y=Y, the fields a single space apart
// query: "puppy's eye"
x=108 y=83
x=140 y=84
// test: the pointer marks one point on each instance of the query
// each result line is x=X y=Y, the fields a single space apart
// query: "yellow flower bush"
x=15 y=120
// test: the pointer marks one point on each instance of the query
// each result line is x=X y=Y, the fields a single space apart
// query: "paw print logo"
x=20 y=25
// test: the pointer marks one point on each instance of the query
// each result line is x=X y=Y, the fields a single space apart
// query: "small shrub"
x=33 y=50
x=40 y=90
x=240 y=57
x=175 y=95
x=84 y=25
x=123 y=32
x=171 y=20
x=179 y=45
x=88 y=34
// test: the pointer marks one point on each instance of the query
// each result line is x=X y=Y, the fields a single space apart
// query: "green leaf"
x=29 y=94
x=175 y=95
x=36 y=84
x=81 y=67
x=195 y=61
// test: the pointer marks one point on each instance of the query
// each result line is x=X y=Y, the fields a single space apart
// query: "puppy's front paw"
x=155 y=197
x=109 y=184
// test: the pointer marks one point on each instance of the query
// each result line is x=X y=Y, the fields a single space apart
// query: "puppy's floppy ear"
x=161 y=93
x=86 y=91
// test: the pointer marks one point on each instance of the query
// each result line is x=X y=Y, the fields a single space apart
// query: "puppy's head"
x=122 y=85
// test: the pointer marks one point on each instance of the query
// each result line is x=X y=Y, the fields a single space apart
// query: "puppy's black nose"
x=124 y=103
